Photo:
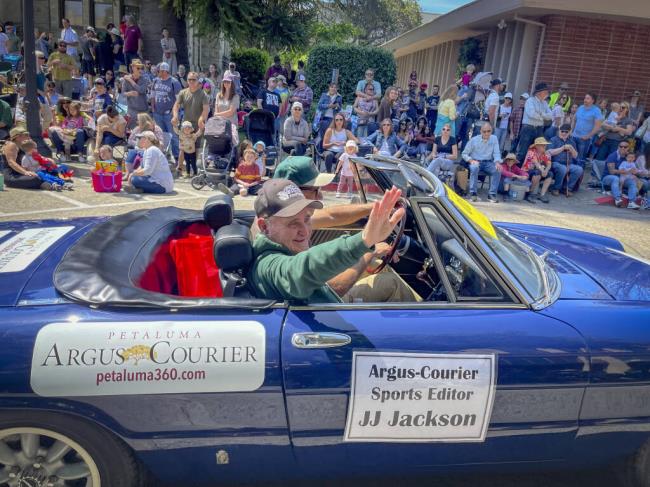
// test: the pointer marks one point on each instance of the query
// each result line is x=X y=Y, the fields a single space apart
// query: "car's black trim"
x=102 y=268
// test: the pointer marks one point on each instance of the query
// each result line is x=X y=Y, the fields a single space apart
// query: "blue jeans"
x=559 y=173
x=501 y=135
x=147 y=185
x=614 y=182
x=164 y=121
x=489 y=168
x=582 y=146
x=110 y=139
x=76 y=148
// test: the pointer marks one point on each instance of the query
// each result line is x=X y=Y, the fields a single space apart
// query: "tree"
x=251 y=63
x=380 y=20
x=283 y=24
x=471 y=52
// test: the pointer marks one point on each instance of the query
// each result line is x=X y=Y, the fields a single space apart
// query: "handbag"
x=107 y=182
x=640 y=132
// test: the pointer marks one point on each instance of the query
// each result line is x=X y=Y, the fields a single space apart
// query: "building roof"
x=480 y=16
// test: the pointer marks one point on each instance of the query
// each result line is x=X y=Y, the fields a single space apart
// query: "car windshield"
x=515 y=255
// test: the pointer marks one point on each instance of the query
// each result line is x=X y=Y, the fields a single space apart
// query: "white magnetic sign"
x=420 y=397
x=162 y=357
x=17 y=253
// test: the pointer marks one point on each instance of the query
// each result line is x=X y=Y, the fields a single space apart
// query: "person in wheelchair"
x=286 y=267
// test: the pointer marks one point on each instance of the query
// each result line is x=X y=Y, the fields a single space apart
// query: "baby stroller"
x=260 y=125
x=216 y=157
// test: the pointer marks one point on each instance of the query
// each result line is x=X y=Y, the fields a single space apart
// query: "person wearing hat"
x=226 y=105
x=134 y=87
x=296 y=132
x=564 y=153
x=282 y=89
x=563 y=90
x=482 y=154
x=163 y=96
x=268 y=99
x=510 y=172
x=538 y=166
x=100 y=99
x=285 y=267
x=636 y=109
x=536 y=113
x=118 y=50
x=61 y=66
x=88 y=45
x=236 y=76
x=153 y=175
x=503 y=119
x=275 y=69
x=492 y=102
x=15 y=175
x=302 y=93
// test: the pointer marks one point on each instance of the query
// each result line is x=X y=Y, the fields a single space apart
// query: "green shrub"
x=352 y=62
x=251 y=63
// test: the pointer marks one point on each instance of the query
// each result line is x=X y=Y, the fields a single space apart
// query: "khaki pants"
x=385 y=287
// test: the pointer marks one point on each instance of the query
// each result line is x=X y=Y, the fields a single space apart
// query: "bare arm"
x=339 y=215
x=342 y=283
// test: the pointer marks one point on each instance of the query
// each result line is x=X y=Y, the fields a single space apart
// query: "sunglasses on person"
x=297 y=109
x=446 y=130
x=192 y=79
x=564 y=131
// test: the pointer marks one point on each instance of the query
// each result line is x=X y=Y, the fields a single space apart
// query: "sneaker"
x=530 y=199
x=338 y=195
x=618 y=202
x=68 y=186
x=632 y=206
x=473 y=197
x=56 y=187
x=492 y=198
x=133 y=190
x=225 y=189
x=46 y=186
x=544 y=198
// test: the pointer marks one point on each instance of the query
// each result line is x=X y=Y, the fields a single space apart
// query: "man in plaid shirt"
x=515 y=120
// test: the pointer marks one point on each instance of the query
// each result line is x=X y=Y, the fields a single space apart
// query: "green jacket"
x=278 y=274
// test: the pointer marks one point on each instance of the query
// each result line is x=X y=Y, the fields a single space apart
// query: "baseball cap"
x=100 y=81
x=301 y=77
x=496 y=81
x=90 y=28
x=186 y=123
x=511 y=155
x=148 y=134
x=351 y=143
x=565 y=127
x=636 y=93
x=163 y=67
x=296 y=104
x=115 y=31
x=525 y=96
x=508 y=95
x=227 y=77
x=282 y=198
x=302 y=171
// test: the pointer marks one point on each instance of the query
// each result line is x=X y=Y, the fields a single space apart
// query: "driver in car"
x=285 y=267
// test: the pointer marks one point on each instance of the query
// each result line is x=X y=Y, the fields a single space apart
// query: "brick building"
x=197 y=52
x=594 y=45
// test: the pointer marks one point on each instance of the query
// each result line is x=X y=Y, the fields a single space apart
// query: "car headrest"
x=218 y=211
x=232 y=248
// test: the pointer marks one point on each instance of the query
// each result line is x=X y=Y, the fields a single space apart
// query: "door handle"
x=320 y=340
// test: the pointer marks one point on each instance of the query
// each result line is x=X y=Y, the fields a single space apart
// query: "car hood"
x=29 y=253
x=590 y=266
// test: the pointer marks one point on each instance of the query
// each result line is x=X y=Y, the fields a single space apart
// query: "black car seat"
x=233 y=254
x=218 y=211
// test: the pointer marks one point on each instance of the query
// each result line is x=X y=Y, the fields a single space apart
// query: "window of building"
x=73 y=11
x=103 y=14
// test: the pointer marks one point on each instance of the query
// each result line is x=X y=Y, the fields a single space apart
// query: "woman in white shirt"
x=503 y=117
x=153 y=175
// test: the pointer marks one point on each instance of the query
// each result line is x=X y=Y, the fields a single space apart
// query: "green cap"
x=302 y=171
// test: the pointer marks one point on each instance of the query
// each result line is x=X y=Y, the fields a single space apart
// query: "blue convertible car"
x=528 y=348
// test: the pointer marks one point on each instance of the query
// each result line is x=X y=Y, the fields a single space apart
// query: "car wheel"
x=198 y=182
x=636 y=471
x=53 y=450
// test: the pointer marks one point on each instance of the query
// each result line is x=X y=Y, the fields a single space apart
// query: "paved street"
x=580 y=212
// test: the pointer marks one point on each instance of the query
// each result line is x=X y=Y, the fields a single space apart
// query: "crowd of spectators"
x=97 y=86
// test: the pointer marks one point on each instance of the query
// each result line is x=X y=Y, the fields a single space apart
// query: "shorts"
x=537 y=172
x=88 y=67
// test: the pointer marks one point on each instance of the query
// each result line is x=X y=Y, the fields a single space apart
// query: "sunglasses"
x=297 y=109
x=564 y=131
x=446 y=130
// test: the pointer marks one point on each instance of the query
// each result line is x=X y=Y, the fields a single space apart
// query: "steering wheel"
x=398 y=231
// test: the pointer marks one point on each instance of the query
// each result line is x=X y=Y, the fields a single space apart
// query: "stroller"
x=260 y=125
x=216 y=156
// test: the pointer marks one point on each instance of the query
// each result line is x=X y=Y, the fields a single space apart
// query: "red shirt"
x=511 y=171
x=532 y=157
x=248 y=173
x=132 y=35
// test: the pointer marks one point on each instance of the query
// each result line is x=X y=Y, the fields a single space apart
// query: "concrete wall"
x=435 y=65
x=606 y=57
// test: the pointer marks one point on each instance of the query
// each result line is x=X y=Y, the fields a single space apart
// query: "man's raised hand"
x=381 y=222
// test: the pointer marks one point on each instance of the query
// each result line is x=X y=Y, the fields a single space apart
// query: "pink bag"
x=107 y=182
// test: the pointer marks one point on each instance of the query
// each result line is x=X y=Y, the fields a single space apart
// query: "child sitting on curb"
x=248 y=179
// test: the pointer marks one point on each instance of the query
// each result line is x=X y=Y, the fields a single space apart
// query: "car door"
x=540 y=369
